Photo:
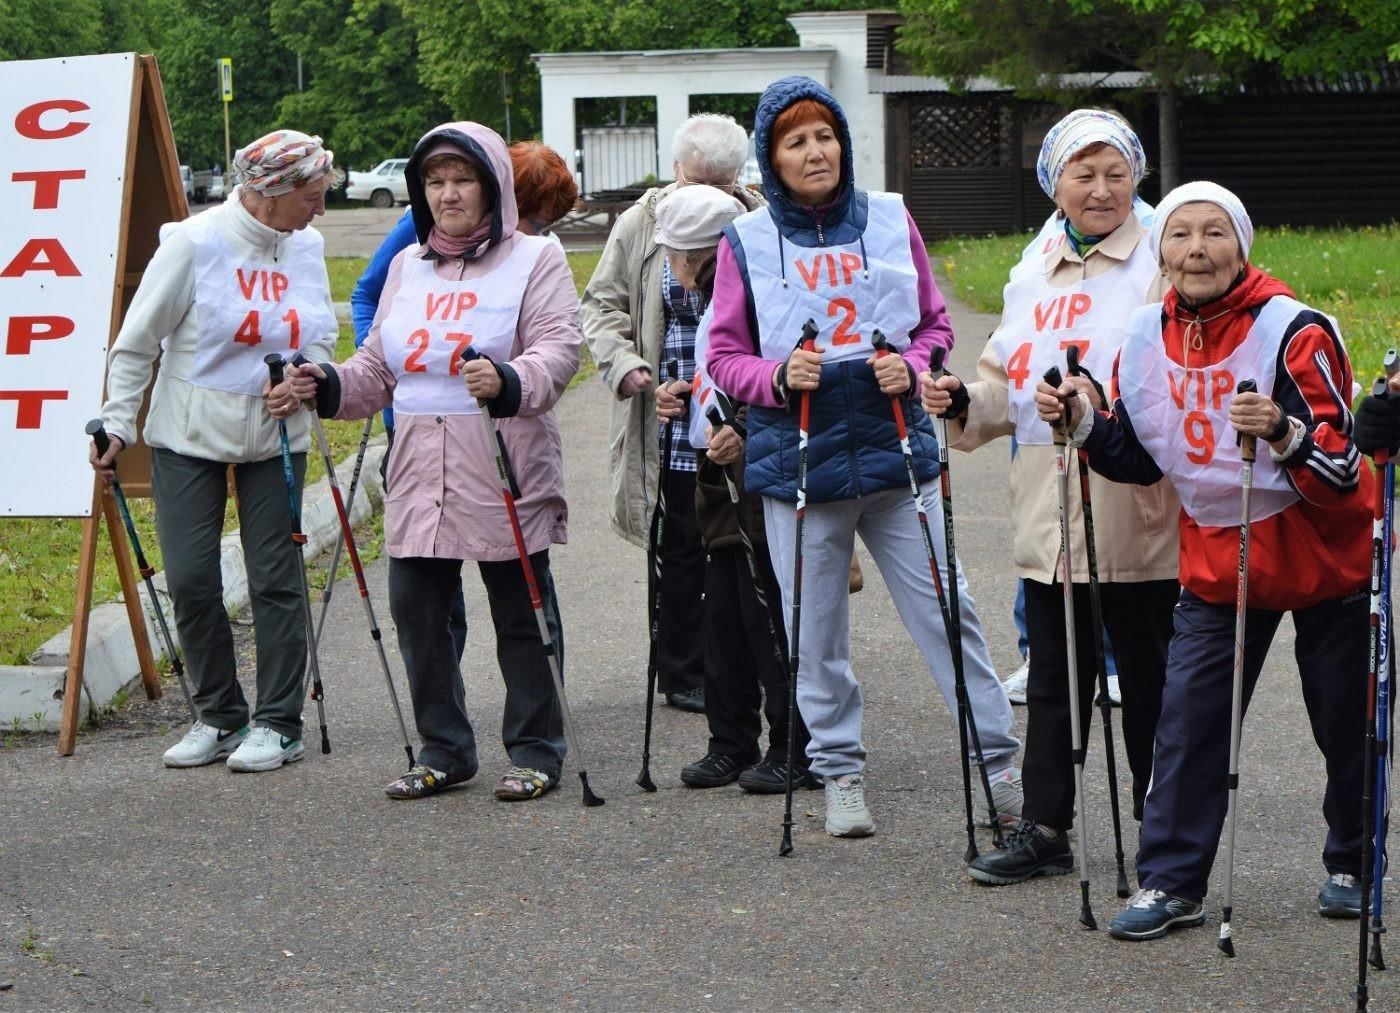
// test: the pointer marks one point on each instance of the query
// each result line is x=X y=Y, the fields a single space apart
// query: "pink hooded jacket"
x=444 y=498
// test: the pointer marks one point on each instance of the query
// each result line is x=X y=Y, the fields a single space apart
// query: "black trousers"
x=680 y=644
x=744 y=666
x=1138 y=619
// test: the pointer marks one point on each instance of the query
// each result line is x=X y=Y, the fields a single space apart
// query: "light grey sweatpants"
x=828 y=694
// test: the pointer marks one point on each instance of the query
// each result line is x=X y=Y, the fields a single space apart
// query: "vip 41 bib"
x=248 y=309
x=848 y=290
x=433 y=319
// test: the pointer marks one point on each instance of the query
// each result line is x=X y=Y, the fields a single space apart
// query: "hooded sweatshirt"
x=854 y=449
x=444 y=500
x=1319 y=547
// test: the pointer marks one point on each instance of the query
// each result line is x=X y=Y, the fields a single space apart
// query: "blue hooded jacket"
x=853 y=447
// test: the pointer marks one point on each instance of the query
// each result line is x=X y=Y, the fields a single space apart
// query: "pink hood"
x=485 y=149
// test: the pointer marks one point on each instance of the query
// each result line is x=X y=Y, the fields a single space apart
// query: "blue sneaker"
x=1152 y=913
x=1340 y=897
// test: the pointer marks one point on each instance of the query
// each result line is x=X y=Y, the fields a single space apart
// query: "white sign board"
x=63 y=147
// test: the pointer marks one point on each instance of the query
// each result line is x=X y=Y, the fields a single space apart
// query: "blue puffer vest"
x=853 y=446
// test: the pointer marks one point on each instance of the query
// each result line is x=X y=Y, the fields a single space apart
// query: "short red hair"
x=799 y=114
x=545 y=190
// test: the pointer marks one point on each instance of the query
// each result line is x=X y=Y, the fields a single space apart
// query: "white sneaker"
x=1015 y=684
x=1115 y=696
x=846 y=814
x=266 y=749
x=203 y=744
x=1006 y=793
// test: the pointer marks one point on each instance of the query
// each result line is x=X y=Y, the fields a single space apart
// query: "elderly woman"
x=745 y=650
x=1176 y=415
x=1081 y=292
x=852 y=261
x=471 y=280
x=636 y=315
x=545 y=190
x=224 y=289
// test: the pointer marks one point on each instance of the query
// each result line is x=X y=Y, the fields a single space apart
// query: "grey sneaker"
x=1152 y=913
x=1006 y=794
x=1015 y=684
x=265 y=749
x=204 y=744
x=846 y=814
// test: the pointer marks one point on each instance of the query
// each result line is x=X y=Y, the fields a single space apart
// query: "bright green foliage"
x=35 y=29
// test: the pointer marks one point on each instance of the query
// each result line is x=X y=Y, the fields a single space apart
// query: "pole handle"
x=99 y=436
x=1061 y=430
x=1391 y=364
x=1072 y=360
x=1247 y=444
x=275 y=367
x=937 y=362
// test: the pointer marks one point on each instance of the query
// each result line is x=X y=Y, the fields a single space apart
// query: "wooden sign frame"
x=152 y=194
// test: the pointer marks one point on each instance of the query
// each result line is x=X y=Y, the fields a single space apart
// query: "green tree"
x=39 y=29
x=1186 y=46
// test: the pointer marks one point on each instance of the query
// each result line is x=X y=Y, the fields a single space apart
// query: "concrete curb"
x=33 y=693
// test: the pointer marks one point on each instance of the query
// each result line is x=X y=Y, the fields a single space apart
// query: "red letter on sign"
x=24 y=331
x=56 y=260
x=27 y=122
x=31 y=404
x=46 y=185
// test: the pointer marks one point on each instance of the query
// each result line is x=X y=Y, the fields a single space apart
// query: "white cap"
x=1202 y=192
x=691 y=217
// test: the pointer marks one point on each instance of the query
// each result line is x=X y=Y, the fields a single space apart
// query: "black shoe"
x=771 y=776
x=712 y=770
x=1027 y=852
x=692 y=700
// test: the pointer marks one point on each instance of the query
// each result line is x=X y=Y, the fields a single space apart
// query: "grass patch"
x=1353 y=274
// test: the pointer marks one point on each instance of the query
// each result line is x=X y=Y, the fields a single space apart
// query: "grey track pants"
x=828 y=694
x=190 y=496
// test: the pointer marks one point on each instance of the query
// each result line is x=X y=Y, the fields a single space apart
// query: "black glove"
x=961 y=400
x=1377 y=424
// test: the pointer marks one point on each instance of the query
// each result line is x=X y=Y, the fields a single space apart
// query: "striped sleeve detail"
x=1313 y=384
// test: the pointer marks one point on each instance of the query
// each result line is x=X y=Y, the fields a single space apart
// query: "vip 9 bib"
x=249 y=309
x=1041 y=323
x=848 y=291
x=432 y=320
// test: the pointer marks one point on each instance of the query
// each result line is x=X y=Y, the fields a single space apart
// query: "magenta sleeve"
x=731 y=359
x=934 y=329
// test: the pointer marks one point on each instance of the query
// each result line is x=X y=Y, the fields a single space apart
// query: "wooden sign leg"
x=77 y=645
x=116 y=532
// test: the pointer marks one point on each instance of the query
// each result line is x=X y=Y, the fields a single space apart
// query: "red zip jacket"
x=1320 y=547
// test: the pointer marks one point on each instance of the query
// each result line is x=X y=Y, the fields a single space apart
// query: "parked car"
x=383 y=186
x=216 y=188
x=187 y=177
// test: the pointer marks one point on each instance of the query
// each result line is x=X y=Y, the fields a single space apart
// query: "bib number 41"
x=250 y=330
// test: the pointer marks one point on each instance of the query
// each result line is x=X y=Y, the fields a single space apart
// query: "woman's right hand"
x=635 y=382
x=668 y=400
x=1052 y=402
x=804 y=369
x=106 y=464
x=941 y=395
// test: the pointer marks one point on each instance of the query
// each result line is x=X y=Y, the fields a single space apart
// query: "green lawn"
x=38 y=556
x=1353 y=274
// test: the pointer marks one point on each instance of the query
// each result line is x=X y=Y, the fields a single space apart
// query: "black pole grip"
x=1072 y=360
x=1378 y=389
x=275 y=366
x=1247 y=387
x=940 y=355
x=470 y=354
x=716 y=419
x=809 y=333
x=878 y=339
x=99 y=436
x=673 y=368
x=1053 y=378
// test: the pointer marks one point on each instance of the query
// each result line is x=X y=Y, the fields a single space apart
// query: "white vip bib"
x=249 y=309
x=1181 y=416
x=433 y=319
x=848 y=291
x=1039 y=323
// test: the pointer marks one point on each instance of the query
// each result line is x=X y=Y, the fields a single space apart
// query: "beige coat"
x=1134 y=526
x=624 y=324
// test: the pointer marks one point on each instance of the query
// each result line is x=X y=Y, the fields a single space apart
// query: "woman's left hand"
x=890 y=373
x=1253 y=414
x=726 y=446
x=282 y=402
x=483 y=382
x=669 y=405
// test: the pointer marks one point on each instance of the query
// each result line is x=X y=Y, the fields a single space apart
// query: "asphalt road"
x=125 y=885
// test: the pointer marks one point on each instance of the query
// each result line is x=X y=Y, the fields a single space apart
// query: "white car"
x=383 y=186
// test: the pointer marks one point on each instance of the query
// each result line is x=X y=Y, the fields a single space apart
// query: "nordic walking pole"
x=508 y=487
x=947 y=604
x=274 y=371
x=658 y=542
x=100 y=437
x=808 y=342
x=340 y=537
x=1384 y=693
x=953 y=617
x=347 y=538
x=1096 y=606
x=1247 y=449
x=1076 y=733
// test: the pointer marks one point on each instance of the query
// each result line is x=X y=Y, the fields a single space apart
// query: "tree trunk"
x=1169 y=153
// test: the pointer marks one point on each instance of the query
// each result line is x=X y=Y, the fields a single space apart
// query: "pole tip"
x=589 y=798
x=1226 y=944
x=1122 y=889
x=645 y=782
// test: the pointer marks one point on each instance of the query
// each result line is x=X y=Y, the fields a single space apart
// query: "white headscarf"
x=1205 y=192
x=1076 y=132
x=279 y=162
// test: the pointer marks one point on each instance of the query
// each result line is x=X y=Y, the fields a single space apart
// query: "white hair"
x=711 y=143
